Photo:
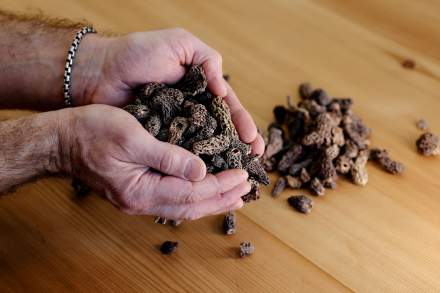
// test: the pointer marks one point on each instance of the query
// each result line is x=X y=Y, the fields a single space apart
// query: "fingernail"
x=193 y=170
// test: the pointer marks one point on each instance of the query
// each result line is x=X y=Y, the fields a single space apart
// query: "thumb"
x=172 y=160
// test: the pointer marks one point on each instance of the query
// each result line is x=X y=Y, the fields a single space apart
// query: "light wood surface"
x=384 y=237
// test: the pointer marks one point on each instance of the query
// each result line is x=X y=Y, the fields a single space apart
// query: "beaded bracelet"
x=69 y=63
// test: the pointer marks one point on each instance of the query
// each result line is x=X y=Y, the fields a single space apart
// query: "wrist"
x=60 y=161
x=88 y=68
x=29 y=148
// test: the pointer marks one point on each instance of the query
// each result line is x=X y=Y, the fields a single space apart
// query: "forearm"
x=33 y=53
x=29 y=147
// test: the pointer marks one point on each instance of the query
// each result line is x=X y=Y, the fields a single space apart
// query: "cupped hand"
x=109 y=149
x=109 y=70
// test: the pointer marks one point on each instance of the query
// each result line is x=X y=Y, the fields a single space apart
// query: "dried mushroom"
x=301 y=203
x=246 y=249
x=311 y=144
x=428 y=144
x=229 y=224
x=188 y=115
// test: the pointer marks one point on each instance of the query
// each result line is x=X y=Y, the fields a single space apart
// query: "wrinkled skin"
x=122 y=64
x=123 y=166
x=124 y=169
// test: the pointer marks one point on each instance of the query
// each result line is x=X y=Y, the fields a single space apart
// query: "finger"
x=211 y=62
x=213 y=207
x=238 y=205
x=242 y=119
x=172 y=190
x=170 y=159
x=229 y=201
x=212 y=65
x=257 y=146
x=214 y=75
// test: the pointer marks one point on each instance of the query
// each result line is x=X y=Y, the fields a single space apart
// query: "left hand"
x=108 y=70
x=138 y=173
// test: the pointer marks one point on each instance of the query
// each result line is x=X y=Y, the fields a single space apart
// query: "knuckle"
x=216 y=183
x=215 y=187
x=166 y=162
x=214 y=56
x=217 y=56
x=188 y=195
x=181 y=32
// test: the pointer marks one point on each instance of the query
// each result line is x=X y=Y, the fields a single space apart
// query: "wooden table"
x=384 y=237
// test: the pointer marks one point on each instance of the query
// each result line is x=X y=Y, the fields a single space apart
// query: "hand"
x=108 y=149
x=109 y=69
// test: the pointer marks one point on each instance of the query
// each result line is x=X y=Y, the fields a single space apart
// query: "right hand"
x=109 y=150
x=108 y=71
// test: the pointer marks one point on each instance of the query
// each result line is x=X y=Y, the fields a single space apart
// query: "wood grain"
x=383 y=237
x=52 y=242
